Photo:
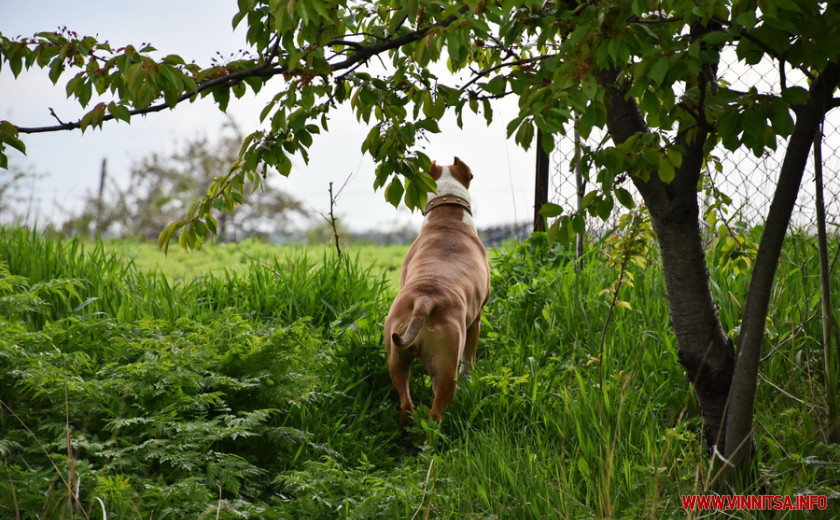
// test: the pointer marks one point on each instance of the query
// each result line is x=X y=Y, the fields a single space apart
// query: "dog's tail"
x=422 y=308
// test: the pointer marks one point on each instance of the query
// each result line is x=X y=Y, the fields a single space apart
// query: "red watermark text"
x=754 y=502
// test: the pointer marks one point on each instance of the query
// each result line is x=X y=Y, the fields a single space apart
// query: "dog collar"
x=447 y=200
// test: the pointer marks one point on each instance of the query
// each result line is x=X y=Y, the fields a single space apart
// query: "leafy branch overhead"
x=380 y=56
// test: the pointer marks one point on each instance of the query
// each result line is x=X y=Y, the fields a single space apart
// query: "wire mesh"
x=748 y=180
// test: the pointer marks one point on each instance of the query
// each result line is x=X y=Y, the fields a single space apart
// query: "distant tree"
x=9 y=193
x=16 y=194
x=645 y=71
x=162 y=187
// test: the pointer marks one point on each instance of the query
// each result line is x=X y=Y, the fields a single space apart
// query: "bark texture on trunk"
x=703 y=348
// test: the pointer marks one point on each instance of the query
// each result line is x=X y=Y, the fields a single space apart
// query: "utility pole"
x=541 y=184
x=102 y=174
x=580 y=186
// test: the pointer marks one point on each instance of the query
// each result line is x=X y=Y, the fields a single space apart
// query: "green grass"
x=253 y=384
x=178 y=265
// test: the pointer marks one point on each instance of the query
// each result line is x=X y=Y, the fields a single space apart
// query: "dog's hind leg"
x=443 y=368
x=468 y=357
x=399 y=366
x=444 y=387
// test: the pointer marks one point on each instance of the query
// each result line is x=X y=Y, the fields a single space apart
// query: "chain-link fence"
x=748 y=180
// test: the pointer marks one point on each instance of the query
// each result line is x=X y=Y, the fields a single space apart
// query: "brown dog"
x=445 y=282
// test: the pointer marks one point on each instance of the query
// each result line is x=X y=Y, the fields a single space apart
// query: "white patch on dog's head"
x=447 y=184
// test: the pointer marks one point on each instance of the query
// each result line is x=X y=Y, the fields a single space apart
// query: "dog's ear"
x=435 y=171
x=461 y=164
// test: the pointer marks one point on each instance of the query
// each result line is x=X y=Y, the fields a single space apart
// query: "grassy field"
x=178 y=265
x=249 y=381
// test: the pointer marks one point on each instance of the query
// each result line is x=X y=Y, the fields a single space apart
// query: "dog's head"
x=452 y=180
x=445 y=176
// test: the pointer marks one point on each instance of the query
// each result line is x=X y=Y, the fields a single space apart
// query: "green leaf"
x=239 y=90
x=649 y=102
x=426 y=182
x=488 y=111
x=174 y=59
x=145 y=95
x=473 y=103
x=98 y=115
x=200 y=228
x=83 y=93
x=588 y=199
x=547 y=143
x=666 y=170
x=624 y=198
x=394 y=192
x=134 y=77
x=729 y=128
x=550 y=210
x=9 y=135
x=579 y=224
x=183 y=239
x=658 y=71
x=496 y=86
x=56 y=68
x=428 y=104
x=796 y=95
x=561 y=231
x=589 y=86
x=304 y=138
x=166 y=235
x=674 y=156
x=781 y=119
x=415 y=194
x=429 y=125
x=604 y=207
x=74 y=84
x=512 y=125
x=439 y=108
x=222 y=97
x=211 y=224
x=525 y=134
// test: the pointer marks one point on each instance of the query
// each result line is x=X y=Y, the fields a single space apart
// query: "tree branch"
x=264 y=70
x=485 y=72
x=766 y=48
x=267 y=69
x=365 y=53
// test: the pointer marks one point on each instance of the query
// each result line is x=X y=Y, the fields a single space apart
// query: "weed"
x=262 y=391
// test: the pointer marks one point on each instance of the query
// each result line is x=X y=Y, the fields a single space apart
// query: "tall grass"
x=262 y=392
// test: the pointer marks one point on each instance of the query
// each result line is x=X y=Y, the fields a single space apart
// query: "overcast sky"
x=502 y=190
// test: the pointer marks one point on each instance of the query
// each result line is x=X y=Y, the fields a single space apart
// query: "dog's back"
x=444 y=284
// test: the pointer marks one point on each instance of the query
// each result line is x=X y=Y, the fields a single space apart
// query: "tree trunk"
x=703 y=349
x=829 y=325
x=741 y=403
